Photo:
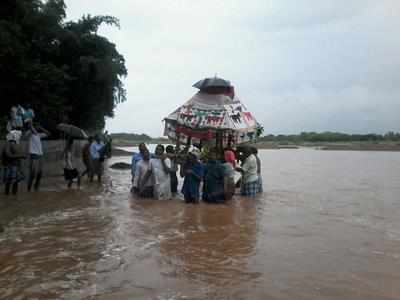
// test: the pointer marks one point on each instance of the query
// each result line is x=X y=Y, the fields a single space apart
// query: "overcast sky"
x=308 y=65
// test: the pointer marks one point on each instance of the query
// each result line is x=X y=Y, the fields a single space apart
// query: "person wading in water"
x=70 y=173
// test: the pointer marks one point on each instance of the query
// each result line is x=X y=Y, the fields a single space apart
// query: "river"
x=326 y=227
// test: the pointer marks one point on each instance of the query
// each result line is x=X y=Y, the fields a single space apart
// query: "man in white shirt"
x=160 y=168
x=250 y=184
x=142 y=184
x=35 y=154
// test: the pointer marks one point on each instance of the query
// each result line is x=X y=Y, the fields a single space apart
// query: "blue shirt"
x=95 y=149
x=213 y=188
x=191 y=183
x=135 y=159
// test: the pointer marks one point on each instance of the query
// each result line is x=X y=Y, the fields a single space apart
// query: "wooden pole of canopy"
x=216 y=139
x=178 y=143
x=219 y=143
x=230 y=138
x=188 y=142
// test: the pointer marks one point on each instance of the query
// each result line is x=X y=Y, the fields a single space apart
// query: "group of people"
x=206 y=175
x=155 y=175
x=94 y=152
x=20 y=126
x=20 y=117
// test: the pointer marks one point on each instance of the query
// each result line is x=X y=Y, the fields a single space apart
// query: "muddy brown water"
x=326 y=227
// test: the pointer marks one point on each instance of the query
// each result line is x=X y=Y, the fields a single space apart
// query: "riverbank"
x=135 y=143
x=120 y=152
x=353 y=146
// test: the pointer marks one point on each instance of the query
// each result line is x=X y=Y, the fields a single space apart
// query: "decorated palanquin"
x=212 y=116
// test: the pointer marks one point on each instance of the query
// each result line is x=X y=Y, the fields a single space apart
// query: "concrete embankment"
x=53 y=162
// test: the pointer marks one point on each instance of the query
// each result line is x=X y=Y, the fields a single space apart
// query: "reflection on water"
x=326 y=228
x=219 y=236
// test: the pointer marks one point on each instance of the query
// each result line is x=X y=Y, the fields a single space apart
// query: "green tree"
x=65 y=70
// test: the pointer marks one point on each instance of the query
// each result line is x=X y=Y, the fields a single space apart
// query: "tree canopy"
x=65 y=70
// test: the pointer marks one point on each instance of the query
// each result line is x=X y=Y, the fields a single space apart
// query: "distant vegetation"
x=64 y=69
x=130 y=139
x=126 y=139
x=330 y=137
x=131 y=136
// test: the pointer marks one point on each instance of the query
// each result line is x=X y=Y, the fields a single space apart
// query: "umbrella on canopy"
x=72 y=131
x=212 y=82
x=206 y=114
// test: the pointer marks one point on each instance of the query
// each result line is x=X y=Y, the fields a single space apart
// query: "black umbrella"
x=212 y=82
x=72 y=131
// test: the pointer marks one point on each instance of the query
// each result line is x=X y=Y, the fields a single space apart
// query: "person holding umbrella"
x=73 y=132
x=70 y=173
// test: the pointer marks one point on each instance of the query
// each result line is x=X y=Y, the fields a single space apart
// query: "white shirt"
x=161 y=179
x=35 y=143
x=140 y=171
x=250 y=169
x=68 y=160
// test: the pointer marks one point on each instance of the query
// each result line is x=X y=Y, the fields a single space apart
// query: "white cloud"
x=299 y=65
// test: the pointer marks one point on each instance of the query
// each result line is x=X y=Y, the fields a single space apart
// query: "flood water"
x=326 y=227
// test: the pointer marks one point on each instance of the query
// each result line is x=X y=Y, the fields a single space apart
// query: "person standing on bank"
x=35 y=154
x=250 y=184
x=11 y=158
x=97 y=157
x=86 y=159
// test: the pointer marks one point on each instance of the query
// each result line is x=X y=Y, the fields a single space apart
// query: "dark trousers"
x=174 y=183
x=35 y=171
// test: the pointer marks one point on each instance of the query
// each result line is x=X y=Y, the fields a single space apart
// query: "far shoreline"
x=349 y=146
